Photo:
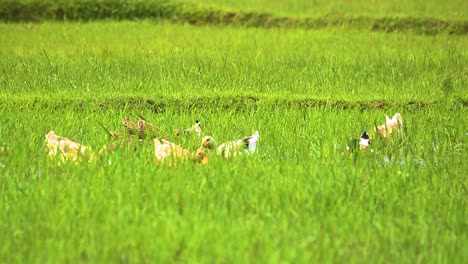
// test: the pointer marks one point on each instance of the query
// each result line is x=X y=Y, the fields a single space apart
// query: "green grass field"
x=455 y=9
x=297 y=200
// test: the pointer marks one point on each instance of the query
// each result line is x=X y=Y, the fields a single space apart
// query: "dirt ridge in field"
x=175 y=12
x=231 y=103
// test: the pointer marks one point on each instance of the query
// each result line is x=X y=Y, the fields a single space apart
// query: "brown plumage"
x=142 y=128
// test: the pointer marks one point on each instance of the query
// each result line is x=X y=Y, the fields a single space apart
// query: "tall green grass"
x=128 y=59
x=297 y=200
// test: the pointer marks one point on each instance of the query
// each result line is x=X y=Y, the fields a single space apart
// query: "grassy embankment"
x=321 y=15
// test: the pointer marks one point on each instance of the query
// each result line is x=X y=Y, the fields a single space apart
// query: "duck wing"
x=251 y=142
x=232 y=148
x=394 y=123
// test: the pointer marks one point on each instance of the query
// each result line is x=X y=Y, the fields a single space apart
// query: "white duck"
x=363 y=143
x=391 y=124
x=66 y=148
x=196 y=128
x=233 y=148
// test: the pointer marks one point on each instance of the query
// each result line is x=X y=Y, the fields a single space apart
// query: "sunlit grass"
x=433 y=8
x=298 y=199
x=144 y=59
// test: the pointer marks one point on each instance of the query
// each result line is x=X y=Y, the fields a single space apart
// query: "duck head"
x=208 y=142
x=200 y=156
x=364 y=141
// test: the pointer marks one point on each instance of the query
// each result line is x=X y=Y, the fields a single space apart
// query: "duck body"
x=164 y=150
x=391 y=124
x=66 y=148
x=196 y=129
x=236 y=147
x=363 y=143
x=142 y=128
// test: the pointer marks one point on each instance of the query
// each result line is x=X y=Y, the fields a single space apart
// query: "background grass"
x=308 y=92
x=361 y=15
x=144 y=59
x=375 y=8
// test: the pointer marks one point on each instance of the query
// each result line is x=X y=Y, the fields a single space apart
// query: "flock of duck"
x=169 y=152
x=165 y=151
x=385 y=131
